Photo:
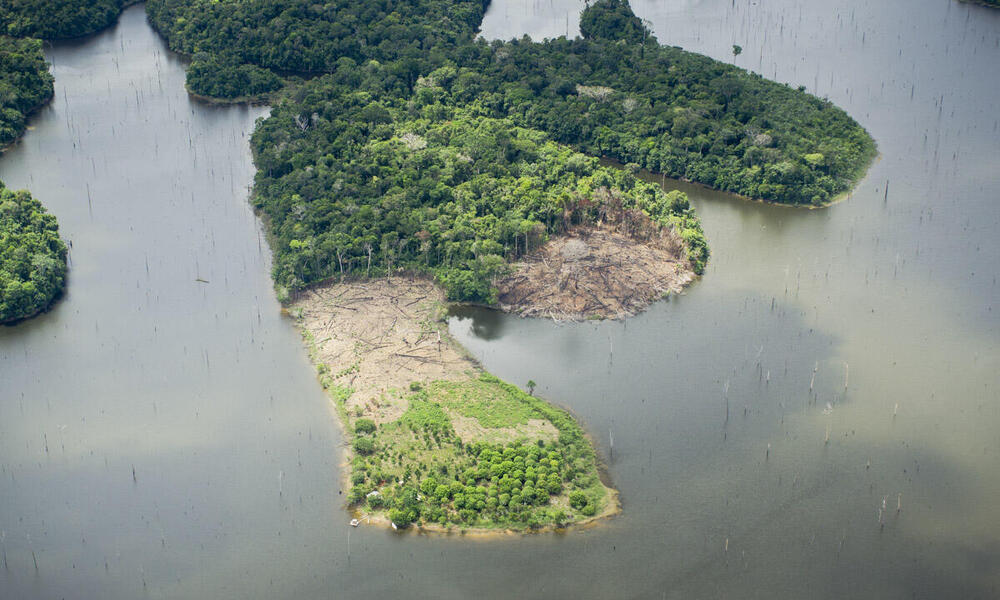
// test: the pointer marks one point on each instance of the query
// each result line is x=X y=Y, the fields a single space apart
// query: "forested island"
x=58 y=19
x=32 y=256
x=401 y=145
x=614 y=92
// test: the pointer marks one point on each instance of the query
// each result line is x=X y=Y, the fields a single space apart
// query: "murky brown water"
x=205 y=390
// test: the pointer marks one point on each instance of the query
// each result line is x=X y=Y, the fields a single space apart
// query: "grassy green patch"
x=424 y=415
x=487 y=400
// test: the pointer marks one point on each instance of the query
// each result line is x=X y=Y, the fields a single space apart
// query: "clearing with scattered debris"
x=595 y=272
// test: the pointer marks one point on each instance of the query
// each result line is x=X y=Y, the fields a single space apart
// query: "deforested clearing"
x=595 y=272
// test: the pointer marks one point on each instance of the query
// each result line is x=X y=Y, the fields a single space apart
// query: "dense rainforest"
x=25 y=84
x=614 y=92
x=238 y=49
x=32 y=256
x=356 y=186
x=58 y=19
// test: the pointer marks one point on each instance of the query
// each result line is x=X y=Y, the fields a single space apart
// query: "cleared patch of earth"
x=376 y=336
x=595 y=272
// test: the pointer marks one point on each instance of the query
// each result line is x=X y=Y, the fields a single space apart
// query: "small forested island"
x=32 y=257
x=407 y=162
x=58 y=19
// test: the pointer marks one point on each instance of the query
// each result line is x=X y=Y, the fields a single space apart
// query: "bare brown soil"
x=595 y=272
x=377 y=336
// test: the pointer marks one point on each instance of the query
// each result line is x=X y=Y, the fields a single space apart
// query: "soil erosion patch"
x=595 y=272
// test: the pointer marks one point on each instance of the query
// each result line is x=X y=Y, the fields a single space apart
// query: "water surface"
x=205 y=390
x=889 y=298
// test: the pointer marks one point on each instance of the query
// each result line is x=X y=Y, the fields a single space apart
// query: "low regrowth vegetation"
x=418 y=469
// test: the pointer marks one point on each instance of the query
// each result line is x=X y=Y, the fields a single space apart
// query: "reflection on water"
x=484 y=323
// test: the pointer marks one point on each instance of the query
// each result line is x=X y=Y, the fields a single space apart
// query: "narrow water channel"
x=854 y=349
x=161 y=433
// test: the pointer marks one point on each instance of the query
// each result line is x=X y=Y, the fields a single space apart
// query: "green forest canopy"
x=359 y=168
x=32 y=256
x=25 y=84
x=616 y=92
x=57 y=19
x=357 y=186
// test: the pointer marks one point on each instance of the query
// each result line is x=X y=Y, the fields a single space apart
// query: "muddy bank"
x=595 y=272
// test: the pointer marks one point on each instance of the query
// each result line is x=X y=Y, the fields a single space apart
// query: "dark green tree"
x=32 y=257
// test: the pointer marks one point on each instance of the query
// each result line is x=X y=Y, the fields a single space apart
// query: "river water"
x=854 y=350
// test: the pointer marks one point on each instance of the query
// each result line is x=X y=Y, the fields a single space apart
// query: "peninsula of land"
x=400 y=141
x=433 y=440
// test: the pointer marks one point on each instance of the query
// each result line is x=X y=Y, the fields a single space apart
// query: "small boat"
x=355 y=522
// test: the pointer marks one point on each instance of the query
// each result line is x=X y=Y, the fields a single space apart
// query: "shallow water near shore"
x=206 y=391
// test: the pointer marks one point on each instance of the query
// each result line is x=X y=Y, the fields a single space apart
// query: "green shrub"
x=364 y=426
x=363 y=445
